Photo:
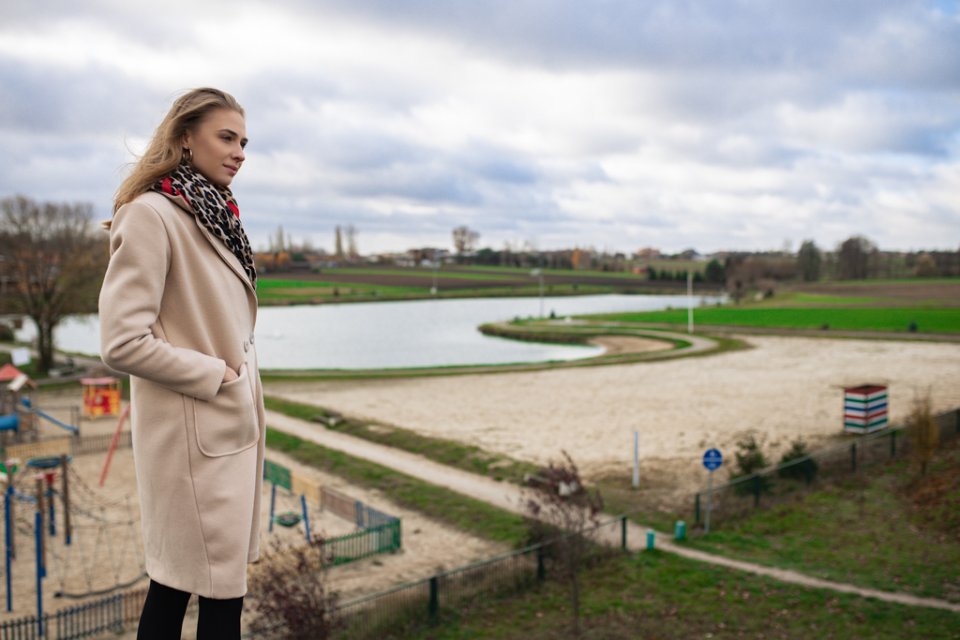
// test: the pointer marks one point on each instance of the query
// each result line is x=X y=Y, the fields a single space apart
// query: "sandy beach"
x=782 y=388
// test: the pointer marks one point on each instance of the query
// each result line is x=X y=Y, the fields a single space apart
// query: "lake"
x=420 y=333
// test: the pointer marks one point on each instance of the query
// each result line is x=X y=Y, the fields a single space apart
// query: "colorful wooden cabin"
x=101 y=397
x=865 y=408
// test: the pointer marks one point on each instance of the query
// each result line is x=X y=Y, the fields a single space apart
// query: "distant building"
x=648 y=253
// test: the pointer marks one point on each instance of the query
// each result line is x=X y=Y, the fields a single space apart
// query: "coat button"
x=246 y=346
x=251 y=338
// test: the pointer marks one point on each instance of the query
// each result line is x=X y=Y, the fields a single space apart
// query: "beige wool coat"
x=176 y=309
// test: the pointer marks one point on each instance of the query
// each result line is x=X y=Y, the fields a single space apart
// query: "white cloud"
x=614 y=124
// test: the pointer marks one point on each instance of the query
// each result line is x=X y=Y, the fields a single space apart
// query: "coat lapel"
x=222 y=250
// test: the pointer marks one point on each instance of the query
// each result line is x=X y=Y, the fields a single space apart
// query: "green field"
x=270 y=290
x=443 y=273
x=662 y=596
x=885 y=529
x=279 y=292
x=855 y=319
x=880 y=529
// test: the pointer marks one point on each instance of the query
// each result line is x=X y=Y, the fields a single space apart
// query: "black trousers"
x=162 y=617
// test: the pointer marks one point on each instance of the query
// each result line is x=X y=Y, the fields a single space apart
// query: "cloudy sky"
x=617 y=124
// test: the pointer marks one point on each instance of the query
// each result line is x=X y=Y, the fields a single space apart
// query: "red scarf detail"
x=166 y=184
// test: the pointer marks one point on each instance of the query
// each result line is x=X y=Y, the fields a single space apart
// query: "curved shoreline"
x=625 y=346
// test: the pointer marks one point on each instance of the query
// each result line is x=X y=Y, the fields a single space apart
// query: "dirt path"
x=509 y=497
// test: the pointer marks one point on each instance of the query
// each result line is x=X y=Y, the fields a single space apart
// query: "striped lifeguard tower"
x=865 y=408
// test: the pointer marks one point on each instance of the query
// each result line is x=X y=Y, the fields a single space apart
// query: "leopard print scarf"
x=214 y=207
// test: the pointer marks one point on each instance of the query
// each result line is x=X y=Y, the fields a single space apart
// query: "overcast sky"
x=616 y=124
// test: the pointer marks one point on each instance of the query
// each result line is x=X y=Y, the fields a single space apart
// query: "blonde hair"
x=166 y=148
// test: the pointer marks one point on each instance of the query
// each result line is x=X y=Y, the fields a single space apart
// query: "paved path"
x=508 y=496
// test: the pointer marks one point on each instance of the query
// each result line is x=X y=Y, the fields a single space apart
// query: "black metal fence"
x=108 y=615
x=784 y=481
x=399 y=612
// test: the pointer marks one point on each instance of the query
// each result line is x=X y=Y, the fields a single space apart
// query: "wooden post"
x=434 y=605
x=13 y=502
x=65 y=490
x=42 y=553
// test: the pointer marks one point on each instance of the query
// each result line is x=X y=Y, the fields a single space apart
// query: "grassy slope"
x=448 y=452
x=657 y=595
x=883 y=529
x=644 y=595
x=472 y=516
x=866 y=532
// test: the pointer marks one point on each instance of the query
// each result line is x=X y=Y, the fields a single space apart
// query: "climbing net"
x=100 y=554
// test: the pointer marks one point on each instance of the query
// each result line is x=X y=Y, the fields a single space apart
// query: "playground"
x=104 y=555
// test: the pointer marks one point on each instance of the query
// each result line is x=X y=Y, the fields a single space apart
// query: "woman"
x=177 y=312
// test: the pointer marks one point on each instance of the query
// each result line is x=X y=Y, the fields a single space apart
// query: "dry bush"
x=559 y=504
x=924 y=431
x=289 y=593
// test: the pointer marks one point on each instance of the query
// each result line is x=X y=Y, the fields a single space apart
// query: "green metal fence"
x=383 y=538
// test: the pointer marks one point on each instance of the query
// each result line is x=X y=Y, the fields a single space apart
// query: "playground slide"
x=49 y=418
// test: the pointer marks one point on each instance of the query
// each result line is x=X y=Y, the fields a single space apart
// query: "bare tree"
x=853 y=258
x=53 y=263
x=924 y=432
x=290 y=596
x=465 y=239
x=560 y=505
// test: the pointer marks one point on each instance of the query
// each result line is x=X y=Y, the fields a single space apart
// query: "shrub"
x=806 y=469
x=749 y=460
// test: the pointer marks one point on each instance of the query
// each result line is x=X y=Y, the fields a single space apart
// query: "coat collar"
x=222 y=250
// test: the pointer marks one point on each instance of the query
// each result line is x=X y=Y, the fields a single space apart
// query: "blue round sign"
x=712 y=459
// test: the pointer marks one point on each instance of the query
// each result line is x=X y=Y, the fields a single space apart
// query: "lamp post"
x=538 y=273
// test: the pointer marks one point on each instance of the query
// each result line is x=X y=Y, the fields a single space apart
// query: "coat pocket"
x=228 y=423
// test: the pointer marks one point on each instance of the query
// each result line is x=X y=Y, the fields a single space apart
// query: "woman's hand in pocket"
x=229 y=375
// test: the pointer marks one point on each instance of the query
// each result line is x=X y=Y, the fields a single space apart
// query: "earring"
x=188 y=155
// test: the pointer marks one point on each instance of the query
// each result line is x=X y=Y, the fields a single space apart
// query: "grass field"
x=880 y=529
x=658 y=595
x=884 y=529
x=808 y=317
x=356 y=284
x=276 y=292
